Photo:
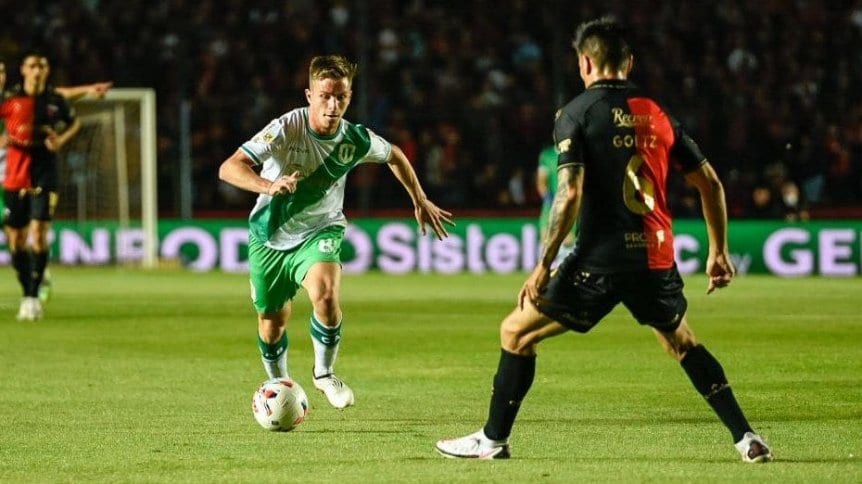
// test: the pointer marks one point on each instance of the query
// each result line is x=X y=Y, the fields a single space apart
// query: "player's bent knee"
x=518 y=338
x=677 y=343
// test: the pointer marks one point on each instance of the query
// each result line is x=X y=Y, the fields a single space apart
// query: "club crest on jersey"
x=346 y=152
x=563 y=146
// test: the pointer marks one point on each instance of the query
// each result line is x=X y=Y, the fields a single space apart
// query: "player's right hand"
x=99 y=89
x=426 y=212
x=284 y=185
x=534 y=285
x=720 y=271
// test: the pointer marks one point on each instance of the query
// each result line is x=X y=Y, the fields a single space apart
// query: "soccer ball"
x=280 y=404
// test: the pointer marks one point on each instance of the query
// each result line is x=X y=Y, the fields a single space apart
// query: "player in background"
x=71 y=93
x=2 y=140
x=39 y=122
x=616 y=145
x=546 y=186
x=297 y=225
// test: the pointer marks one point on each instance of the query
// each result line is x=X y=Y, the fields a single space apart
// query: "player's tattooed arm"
x=564 y=211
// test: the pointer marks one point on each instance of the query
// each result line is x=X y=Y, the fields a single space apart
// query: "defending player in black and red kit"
x=616 y=146
x=39 y=122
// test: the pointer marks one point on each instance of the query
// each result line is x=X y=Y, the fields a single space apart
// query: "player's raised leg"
x=323 y=283
x=707 y=376
x=520 y=333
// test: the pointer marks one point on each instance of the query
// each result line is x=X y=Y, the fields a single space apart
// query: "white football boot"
x=30 y=309
x=337 y=392
x=24 y=310
x=474 y=446
x=36 y=312
x=753 y=449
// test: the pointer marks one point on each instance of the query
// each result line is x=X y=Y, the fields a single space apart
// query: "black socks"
x=511 y=383
x=21 y=263
x=708 y=377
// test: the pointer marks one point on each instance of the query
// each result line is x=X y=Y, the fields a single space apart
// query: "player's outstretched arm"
x=238 y=170
x=426 y=212
x=96 y=89
x=719 y=267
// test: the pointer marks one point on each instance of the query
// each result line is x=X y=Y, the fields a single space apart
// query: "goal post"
x=108 y=171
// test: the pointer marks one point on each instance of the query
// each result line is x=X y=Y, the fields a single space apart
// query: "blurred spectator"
x=793 y=207
x=470 y=88
x=764 y=203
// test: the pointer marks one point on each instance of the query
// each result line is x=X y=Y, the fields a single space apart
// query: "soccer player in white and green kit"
x=297 y=225
x=546 y=186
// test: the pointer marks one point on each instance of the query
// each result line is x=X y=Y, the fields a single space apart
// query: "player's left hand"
x=534 y=285
x=428 y=213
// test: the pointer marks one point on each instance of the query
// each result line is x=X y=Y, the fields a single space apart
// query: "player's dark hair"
x=331 y=67
x=604 y=40
x=33 y=52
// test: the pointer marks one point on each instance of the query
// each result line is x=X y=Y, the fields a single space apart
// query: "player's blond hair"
x=331 y=67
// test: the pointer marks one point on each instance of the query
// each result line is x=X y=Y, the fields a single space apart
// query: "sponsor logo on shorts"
x=326 y=246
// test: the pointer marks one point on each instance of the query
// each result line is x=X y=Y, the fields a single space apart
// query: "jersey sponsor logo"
x=640 y=240
x=297 y=149
x=623 y=119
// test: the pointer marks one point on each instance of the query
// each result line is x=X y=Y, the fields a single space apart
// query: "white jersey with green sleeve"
x=286 y=145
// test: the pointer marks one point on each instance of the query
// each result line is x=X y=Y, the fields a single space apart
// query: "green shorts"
x=277 y=275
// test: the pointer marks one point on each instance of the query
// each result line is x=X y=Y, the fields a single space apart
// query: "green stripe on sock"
x=272 y=351
x=324 y=334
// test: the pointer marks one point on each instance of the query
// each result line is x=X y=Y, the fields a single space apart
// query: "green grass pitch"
x=140 y=376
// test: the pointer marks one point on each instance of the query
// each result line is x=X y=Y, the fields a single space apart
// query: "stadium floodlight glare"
x=108 y=171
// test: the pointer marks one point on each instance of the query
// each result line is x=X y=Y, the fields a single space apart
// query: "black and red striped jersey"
x=28 y=119
x=626 y=143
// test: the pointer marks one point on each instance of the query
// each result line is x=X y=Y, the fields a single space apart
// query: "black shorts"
x=26 y=205
x=579 y=300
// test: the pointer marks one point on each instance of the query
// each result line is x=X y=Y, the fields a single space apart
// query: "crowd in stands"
x=771 y=89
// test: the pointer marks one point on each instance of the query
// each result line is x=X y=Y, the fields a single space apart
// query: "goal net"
x=108 y=171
